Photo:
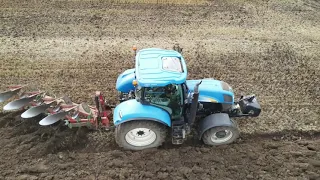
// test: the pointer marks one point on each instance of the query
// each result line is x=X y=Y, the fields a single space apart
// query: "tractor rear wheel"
x=221 y=135
x=139 y=135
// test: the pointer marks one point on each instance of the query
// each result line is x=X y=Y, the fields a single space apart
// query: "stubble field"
x=269 y=48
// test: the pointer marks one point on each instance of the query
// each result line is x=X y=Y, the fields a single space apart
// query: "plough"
x=74 y=115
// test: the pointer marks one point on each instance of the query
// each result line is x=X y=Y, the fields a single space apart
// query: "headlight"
x=227 y=98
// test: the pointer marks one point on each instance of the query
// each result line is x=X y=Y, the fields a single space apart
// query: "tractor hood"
x=211 y=90
x=124 y=81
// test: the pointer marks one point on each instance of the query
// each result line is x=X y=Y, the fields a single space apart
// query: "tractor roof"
x=160 y=67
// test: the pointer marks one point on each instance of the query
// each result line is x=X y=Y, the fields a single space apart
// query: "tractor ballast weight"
x=155 y=100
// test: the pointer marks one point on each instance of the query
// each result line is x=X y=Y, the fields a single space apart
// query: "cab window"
x=172 y=64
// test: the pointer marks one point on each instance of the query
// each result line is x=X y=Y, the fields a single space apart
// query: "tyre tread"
x=206 y=138
x=122 y=129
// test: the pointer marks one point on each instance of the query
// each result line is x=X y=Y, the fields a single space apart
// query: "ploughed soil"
x=269 y=48
x=28 y=152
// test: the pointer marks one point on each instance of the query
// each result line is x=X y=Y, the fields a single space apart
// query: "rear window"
x=172 y=64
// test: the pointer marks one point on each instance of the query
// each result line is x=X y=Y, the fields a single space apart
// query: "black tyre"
x=140 y=134
x=220 y=135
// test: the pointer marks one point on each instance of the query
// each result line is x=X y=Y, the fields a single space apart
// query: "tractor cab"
x=160 y=80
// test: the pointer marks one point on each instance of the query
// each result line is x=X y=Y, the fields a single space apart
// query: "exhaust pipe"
x=194 y=103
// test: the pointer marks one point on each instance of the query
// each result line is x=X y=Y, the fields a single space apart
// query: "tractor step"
x=178 y=132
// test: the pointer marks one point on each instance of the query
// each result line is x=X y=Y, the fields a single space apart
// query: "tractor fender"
x=214 y=120
x=124 y=81
x=131 y=110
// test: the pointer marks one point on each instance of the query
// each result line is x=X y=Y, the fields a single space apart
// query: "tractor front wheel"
x=220 y=135
x=139 y=135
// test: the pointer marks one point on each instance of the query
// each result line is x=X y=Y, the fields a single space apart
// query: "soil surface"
x=29 y=152
x=269 y=48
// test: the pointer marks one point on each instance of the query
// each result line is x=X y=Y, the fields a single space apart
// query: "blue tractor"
x=157 y=100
